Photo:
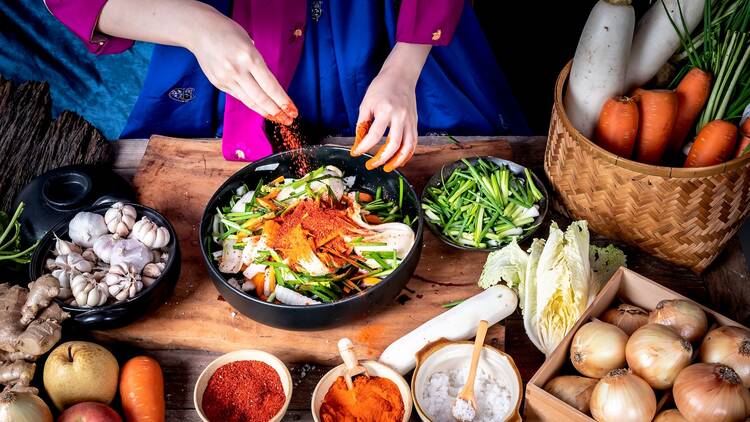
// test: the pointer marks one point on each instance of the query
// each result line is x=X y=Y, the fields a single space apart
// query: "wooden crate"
x=625 y=285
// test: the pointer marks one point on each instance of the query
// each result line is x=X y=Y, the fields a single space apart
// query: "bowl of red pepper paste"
x=243 y=386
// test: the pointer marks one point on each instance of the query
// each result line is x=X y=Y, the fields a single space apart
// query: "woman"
x=325 y=52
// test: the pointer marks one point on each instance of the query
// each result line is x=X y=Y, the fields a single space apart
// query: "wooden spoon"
x=466 y=397
x=353 y=368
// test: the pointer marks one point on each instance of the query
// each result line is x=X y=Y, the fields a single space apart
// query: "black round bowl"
x=329 y=314
x=515 y=168
x=127 y=311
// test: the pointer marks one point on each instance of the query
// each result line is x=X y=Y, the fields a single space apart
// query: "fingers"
x=264 y=104
x=374 y=134
x=392 y=144
x=273 y=89
x=404 y=154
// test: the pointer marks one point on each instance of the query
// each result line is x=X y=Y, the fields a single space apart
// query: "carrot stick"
x=657 y=109
x=618 y=126
x=142 y=390
x=713 y=145
x=692 y=94
x=744 y=146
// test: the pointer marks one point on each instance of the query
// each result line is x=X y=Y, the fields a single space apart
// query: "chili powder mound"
x=243 y=391
x=373 y=399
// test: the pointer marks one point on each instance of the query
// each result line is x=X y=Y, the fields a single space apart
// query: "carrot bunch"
x=652 y=124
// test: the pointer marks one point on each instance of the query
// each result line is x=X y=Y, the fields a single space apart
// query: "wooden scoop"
x=353 y=368
x=466 y=395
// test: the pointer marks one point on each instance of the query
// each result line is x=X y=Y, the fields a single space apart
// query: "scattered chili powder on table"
x=243 y=391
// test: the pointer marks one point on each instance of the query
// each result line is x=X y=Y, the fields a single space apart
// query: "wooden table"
x=723 y=287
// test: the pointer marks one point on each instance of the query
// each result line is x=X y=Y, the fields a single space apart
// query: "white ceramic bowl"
x=273 y=361
x=446 y=355
x=374 y=368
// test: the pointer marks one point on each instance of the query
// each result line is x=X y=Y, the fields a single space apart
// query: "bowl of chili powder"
x=243 y=386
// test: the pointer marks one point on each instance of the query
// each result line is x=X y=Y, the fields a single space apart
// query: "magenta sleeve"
x=81 y=16
x=428 y=21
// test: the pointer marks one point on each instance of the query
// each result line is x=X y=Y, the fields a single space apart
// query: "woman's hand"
x=390 y=103
x=223 y=48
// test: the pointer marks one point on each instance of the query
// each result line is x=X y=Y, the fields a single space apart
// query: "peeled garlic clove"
x=85 y=227
x=120 y=219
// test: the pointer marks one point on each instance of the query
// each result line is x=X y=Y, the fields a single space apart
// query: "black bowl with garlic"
x=115 y=263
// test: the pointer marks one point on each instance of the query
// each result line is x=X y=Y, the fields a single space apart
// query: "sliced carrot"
x=373 y=219
x=277 y=180
x=657 y=110
x=142 y=390
x=692 y=94
x=714 y=144
x=618 y=126
x=365 y=197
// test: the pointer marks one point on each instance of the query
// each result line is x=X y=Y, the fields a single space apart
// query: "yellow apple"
x=79 y=371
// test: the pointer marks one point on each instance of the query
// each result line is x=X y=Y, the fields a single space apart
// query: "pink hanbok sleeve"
x=81 y=17
x=428 y=21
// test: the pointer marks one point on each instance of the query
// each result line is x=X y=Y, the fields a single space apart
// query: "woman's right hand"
x=228 y=57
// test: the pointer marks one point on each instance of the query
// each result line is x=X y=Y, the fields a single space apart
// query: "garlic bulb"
x=622 y=396
x=23 y=407
x=120 y=219
x=123 y=281
x=657 y=354
x=573 y=390
x=150 y=234
x=63 y=247
x=85 y=227
x=90 y=255
x=730 y=346
x=711 y=392
x=88 y=291
x=598 y=348
x=627 y=317
x=65 y=268
x=151 y=272
x=686 y=318
x=104 y=245
x=130 y=252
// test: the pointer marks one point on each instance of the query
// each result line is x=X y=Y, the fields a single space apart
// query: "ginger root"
x=30 y=325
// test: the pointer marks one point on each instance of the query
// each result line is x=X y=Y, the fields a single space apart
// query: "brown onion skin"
x=607 y=358
x=671 y=415
x=573 y=390
x=627 y=317
x=686 y=318
x=657 y=354
x=736 y=354
x=697 y=391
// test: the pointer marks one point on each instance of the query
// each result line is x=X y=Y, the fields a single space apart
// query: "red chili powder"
x=243 y=391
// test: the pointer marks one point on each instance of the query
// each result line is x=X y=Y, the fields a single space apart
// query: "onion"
x=657 y=354
x=23 y=407
x=686 y=318
x=626 y=317
x=671 y=415
x=598 y=348
x=730 y=346
x=623 y=397
x=573 y=390
x=711 y=392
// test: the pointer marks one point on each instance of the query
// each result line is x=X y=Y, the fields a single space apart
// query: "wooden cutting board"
x=177 y=177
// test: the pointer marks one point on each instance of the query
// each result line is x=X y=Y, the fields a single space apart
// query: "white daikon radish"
x=600 y=64
x=458 y=323
x=656 y=39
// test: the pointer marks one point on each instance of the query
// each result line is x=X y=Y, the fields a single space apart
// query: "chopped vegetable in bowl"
x=483 y=203
x=310 y=240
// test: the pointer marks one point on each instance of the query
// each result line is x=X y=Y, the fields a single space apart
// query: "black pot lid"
x=61 y=192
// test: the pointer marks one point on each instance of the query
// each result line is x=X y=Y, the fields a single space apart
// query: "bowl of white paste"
x=442 y=368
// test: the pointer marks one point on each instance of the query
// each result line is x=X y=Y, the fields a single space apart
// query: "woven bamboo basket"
x=681 y=215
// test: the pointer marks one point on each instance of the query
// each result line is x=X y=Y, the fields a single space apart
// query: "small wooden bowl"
x=374 y=368
x=445 y=355
x=258 y=355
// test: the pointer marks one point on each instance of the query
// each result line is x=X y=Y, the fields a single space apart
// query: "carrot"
x=636 y=94
x=657 y=110
x=142 y=390
x=617 y=126
x=744 y=146
x=692 y=94
x=713 y=145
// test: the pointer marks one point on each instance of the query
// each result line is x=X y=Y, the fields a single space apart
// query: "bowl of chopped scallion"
x=481 y=203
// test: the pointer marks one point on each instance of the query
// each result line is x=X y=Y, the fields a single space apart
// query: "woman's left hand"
x=390 y=103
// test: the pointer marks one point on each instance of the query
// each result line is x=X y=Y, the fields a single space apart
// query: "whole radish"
x=600 y=63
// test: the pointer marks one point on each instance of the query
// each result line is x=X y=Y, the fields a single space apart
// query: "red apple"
x=89 y=411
